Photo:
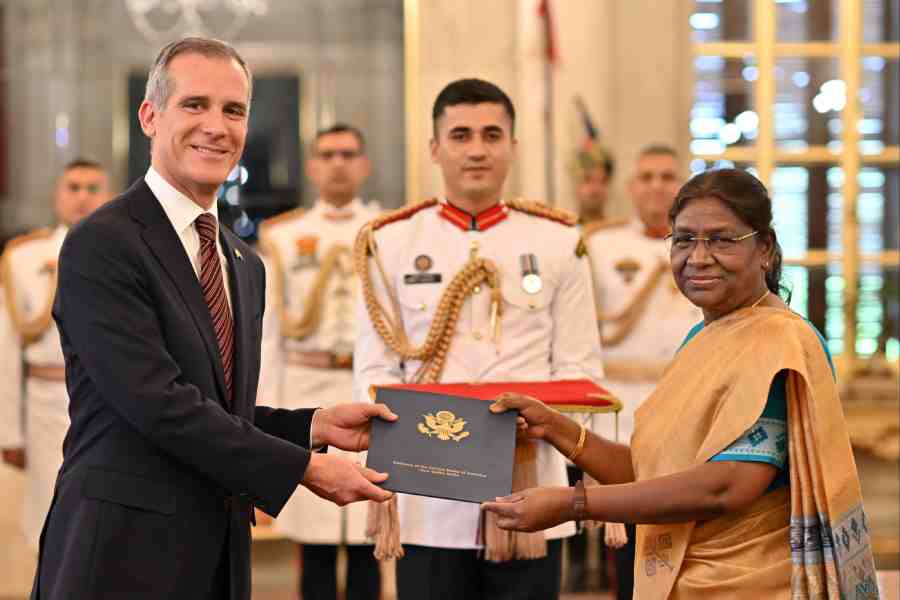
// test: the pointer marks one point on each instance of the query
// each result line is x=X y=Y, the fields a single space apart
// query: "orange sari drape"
x=806 y=541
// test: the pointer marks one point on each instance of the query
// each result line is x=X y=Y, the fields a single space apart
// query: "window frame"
x=764 y=154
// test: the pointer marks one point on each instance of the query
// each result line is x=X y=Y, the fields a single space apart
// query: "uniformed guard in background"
x=592 y=169
x=34 y=404
x=471 y=288
x=643 y=318
x=308 y=353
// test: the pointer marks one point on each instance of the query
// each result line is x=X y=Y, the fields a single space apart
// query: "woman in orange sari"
x=740 y=474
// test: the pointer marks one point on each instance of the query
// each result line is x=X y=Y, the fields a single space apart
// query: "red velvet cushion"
x=571 y=394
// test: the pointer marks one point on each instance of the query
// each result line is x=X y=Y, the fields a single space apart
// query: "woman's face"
x=718 y=279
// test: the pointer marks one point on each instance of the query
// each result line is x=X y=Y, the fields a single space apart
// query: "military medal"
x=531 y=280
x=423 y=263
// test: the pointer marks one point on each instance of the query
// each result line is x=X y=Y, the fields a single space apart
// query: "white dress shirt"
x=182 y=213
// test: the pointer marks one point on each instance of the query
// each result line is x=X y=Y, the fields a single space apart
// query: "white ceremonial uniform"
x=548 y=335
x=33 y=406
x=306 y=361
x=625 y=262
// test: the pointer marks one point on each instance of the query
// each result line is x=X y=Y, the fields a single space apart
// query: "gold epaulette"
x=400 y=214
x=6 y=258
x=37 y=234
x=603 y=224
x=265 y=246
x=539 y=209
x=29 y=331
x=288 y=215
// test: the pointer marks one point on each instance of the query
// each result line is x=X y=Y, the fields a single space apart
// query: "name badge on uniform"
x=422 y=263
x=531 y=279
x=414 y=278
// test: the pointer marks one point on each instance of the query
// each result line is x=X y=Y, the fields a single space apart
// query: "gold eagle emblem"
x=444 y=425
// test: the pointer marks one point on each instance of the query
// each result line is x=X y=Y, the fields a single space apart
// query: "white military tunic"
x=33 y=411
x=623 y=261
x=550 y=335
x=295 y=245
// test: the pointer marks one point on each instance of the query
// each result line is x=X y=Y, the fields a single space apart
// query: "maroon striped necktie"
x=214 y=293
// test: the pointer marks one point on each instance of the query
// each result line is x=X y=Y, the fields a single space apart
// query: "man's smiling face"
x=474 y=147
x=199 y=135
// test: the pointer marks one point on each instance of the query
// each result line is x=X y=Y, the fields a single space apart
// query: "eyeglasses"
x=681 y=243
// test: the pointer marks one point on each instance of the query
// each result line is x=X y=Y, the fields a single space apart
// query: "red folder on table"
x=568 y=395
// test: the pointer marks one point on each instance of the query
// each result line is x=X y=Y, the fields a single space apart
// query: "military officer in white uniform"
x=308 y=353
x=524 y=312
x=643 y=318
x=33 y=401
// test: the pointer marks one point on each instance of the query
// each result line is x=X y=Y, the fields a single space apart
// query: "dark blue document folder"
x=443 y=446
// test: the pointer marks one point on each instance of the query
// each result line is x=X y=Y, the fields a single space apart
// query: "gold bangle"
x=579 y=447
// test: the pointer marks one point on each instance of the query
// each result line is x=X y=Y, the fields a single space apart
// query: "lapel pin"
x=238 y=254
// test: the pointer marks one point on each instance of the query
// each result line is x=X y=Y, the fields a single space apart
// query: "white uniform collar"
x=638 y=227
x=181 y=210
x=343 y=212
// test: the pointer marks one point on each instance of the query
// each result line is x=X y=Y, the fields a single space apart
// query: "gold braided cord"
x=269 y=249
x=32 y=330
x=311 y=318
x=538 y=209
x=308 y=323
x=389 y=325
x=629 y=316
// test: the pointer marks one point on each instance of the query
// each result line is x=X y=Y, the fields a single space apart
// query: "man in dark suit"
x=160 y=313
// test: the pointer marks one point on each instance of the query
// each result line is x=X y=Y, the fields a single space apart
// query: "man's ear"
x=147 y=115
x=433 y=146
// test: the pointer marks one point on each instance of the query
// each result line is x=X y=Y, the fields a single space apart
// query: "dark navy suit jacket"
x=160 y=472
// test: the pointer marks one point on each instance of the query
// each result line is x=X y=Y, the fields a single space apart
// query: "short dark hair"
x=471 y=91
x=341 y=128
x=657 y=149
x=748 y=198
x=83 y=163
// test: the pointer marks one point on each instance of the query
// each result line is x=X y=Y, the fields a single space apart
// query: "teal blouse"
x=766 y=440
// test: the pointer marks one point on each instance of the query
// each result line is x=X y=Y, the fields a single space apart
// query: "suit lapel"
x=165 y=244
x=240 y=305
